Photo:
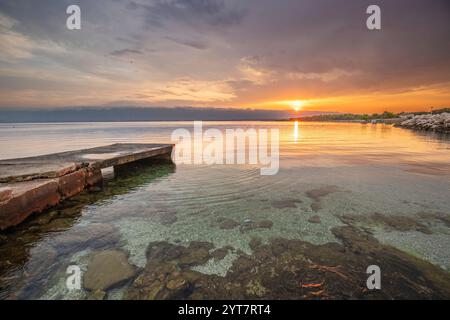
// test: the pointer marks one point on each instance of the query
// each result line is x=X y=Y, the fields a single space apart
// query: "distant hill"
x=116 y=114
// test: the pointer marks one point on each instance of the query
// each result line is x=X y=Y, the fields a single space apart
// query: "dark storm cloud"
x=37 y=18
x=303 y=37
x=193 y=12
x=316 y=36
x=142 y=114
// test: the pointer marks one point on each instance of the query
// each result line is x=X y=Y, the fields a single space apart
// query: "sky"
x=260 y=54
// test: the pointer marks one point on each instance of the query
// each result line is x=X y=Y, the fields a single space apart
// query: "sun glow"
x=297 y=104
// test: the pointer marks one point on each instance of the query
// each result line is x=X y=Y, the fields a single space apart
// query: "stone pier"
x=31 y=185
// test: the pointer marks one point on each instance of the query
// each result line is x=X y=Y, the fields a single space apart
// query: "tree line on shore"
x=365 y=117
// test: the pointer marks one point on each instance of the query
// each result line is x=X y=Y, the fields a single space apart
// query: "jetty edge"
x=34 y=184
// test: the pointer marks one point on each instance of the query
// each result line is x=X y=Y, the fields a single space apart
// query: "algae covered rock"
x=314 y=219
x=293 y=269
x=225 y=223
x=107 y=269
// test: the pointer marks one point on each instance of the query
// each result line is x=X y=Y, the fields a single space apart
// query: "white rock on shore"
x=432 y=122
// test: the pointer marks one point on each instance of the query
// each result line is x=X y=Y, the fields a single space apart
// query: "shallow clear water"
x=389 y=182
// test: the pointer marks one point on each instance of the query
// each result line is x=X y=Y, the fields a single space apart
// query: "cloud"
x=196 y=44
x=251 y=71
x=328 y=76
x=7 y=22
x=220 y=52
x=13 y=45
x=216 y=13
x=190 y=90
x=125 y=52
x=17 y=46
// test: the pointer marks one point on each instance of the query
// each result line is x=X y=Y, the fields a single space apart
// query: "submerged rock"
x=107 y=269
x=226 y=223
x=294 y=269
x=283 y=204
x=196 y=254
x=316 y=206
x=264 y=224
x=221 y=253
x=255 y=288
x=442 y=217
x=392 y=222
x=176 y=283
x=254 y=243
x=162 y=280
x=96 y=295
x=314 y=219
x=316 y=196
x=163 y=251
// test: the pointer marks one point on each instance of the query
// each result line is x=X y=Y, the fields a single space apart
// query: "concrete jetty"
x=31 y=185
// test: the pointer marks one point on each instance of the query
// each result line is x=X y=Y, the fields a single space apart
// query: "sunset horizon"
x=229 y=54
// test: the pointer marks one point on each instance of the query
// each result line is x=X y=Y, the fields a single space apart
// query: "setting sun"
x=297 y=104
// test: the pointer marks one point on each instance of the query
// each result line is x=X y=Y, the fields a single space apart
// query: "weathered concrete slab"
x=5 y=194
x=31 y=185
x=28 y=197
x=59 y=164
x=25 y=171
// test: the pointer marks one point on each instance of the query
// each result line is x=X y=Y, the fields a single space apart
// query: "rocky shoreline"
x=429 y=122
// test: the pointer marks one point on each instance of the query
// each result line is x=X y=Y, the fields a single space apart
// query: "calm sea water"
x=392 y=183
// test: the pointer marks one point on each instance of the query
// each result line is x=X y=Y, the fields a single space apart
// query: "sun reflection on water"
x=295 y=131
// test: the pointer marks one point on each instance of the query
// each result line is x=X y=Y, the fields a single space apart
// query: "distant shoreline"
x=137 y=121
x=212 y=115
